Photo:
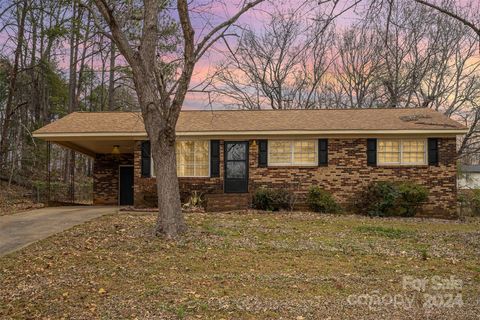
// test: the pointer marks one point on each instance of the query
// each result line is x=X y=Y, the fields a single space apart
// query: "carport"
x=108 y=140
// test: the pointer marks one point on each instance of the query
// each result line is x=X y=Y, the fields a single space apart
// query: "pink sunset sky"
x=205 y=16
x=254 y=19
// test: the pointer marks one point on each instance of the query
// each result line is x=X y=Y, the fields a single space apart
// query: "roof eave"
x=138 y=135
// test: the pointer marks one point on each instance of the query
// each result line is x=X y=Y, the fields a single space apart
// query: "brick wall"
x=105 y=177
x=145 y=188
x=345 y=176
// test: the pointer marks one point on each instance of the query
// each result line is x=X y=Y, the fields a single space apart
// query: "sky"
x=204 y=17
x=254 y=19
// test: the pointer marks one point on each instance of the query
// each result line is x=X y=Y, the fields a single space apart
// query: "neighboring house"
x=469 y=177
x=226 y=155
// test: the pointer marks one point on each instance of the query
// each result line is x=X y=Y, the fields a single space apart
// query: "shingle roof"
x=260 y=120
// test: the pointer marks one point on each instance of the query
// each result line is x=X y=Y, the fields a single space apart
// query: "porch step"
x=227 y=201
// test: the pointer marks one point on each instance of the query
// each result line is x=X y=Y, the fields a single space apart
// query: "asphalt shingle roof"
x=261 y=120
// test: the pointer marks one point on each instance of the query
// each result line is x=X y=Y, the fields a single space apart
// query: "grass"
x=388 y=232
x=240 y=266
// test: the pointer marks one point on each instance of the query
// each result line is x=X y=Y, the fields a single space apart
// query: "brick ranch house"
x=226 y=155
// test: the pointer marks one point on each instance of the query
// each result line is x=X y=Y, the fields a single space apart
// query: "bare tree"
x=441 y=63
x=161 y=85
x=12 y=86
x=283 y=65
x=463 y=17
x=356 y=68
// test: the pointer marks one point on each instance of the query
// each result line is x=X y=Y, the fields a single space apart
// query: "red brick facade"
x=106 y=177
x=347 y=174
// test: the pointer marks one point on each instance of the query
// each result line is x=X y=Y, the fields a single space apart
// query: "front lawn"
x=249 y=266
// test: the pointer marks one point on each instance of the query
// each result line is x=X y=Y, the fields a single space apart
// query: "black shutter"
x=262 y=153
x=372 y=152
x=146 y=159
x=215 y=158
x=323 y=152
x=432 y=151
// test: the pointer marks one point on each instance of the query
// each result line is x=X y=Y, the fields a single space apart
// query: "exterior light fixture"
x=116 y=149
x=254 y=143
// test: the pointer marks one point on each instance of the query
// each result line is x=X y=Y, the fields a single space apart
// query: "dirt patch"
x=15 y=199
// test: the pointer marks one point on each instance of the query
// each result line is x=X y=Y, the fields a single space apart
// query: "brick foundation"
x=346 y=174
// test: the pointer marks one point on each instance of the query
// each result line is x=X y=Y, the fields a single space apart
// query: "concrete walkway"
x=21 y=229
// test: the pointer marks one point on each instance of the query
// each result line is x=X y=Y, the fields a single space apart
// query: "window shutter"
x=432 y=151
x=372 y=152
x=262 y=153
x=215 y=158
x=323 y=152
x=146 y=159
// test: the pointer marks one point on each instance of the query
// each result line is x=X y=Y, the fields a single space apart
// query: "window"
x=193 y=158
x=402 y=151
x=292 y=152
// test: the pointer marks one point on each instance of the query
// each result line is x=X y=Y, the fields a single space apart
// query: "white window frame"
x=152 y=166
x=291 y=164
x=401 y=163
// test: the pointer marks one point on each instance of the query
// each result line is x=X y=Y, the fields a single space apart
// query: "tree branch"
x=469 y=24
x=117 y=34
x=207 y=42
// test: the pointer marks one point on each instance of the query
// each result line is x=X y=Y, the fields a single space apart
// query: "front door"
x=236 y=166
x=126 y=185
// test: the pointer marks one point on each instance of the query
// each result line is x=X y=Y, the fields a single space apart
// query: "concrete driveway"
x=21 y=229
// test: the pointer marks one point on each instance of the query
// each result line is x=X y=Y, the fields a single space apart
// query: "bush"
x=471 y=201
x=271 y=199
x=411 y=197
x=320 y=200
x=391 y=199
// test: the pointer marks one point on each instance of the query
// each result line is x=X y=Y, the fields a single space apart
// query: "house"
x=226 y=155
x=469 y=177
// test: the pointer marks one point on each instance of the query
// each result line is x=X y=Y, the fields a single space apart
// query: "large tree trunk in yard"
x=170 y=221
x=160 y=119
x=161 y=97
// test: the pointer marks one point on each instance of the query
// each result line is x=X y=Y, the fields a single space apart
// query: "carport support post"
x=49 y=147
x=72 y=177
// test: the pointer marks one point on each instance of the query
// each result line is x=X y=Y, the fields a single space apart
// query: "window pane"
x=236 y=151
x=413 y=151
x=236 y=170
x=389 y=157
x=292 y=152
x=279 y=152
x=201 y=171
x=192 y=158
x=201 y=153
x=388 y=151
x=304 y=152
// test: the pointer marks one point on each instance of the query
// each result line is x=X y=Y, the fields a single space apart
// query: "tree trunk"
x=111 y=79
x=11 y=90
x=170 y=221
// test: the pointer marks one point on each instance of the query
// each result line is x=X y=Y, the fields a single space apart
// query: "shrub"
x=411 y=197
x=320 y=200
x=195 y=202
x=471 y=201
x=271 y=199
x=391 y=199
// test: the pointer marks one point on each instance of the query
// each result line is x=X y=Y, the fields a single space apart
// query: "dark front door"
x=126 y=186
x=236 y=166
